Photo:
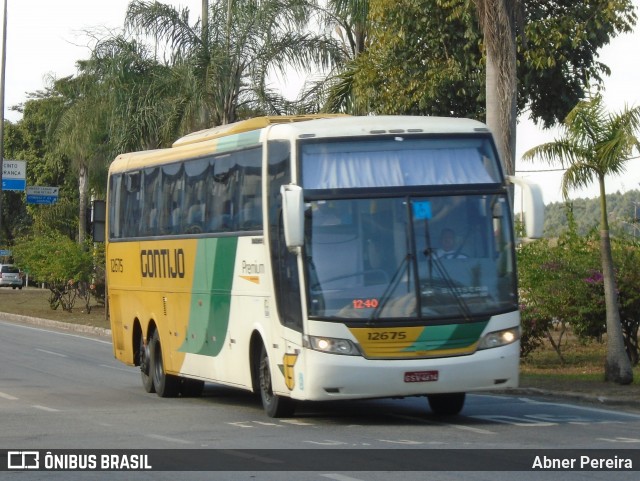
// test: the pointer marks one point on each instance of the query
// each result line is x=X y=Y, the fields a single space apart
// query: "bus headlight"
x=499 y=338
x=331 y=345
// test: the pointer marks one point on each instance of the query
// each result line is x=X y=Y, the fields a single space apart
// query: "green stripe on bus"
x=211 y=298
x=239 y=141
x=450 y=336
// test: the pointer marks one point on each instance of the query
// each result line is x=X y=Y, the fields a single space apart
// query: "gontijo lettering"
x=162 y=263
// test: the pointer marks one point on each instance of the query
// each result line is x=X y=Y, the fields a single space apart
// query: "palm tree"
x=499 y=21
x=226 y=72
x=138 y=92
x=349 y=23
x=81 y=134
x=596 y=144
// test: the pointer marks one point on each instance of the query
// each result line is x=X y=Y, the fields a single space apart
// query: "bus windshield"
x=410 y=257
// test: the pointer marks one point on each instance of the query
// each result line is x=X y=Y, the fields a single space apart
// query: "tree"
x=498 y=22
x=29 y=139
x=81 y=133
x=593 y=146
x=226 y=72
x=423 y=60
x=139 y=95
x=349 y=22
x=430 y=57
x=568 y=31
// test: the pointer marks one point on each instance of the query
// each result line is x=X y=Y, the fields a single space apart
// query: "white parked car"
x=10 y=276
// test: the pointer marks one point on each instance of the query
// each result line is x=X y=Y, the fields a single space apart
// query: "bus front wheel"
x=165 y=384
x=275 y=406
x=449 y=404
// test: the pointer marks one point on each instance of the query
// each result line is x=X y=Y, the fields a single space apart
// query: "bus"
x=302 y=258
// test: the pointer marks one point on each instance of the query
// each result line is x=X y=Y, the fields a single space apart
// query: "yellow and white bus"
x=301 y=258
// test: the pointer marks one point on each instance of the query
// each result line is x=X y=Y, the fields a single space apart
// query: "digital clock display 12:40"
x=365 y=303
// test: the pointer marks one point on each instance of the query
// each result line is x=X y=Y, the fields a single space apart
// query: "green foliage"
x=557 y=290
x=53 y=259
x=561 y=285
x=423 y=59
x=557 y=58
x=64 y=266
x=426 y=56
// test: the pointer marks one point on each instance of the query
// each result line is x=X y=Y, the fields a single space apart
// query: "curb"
x=63 y=326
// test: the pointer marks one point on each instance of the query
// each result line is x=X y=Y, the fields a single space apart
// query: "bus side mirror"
x=293 y=215
x=532 y=206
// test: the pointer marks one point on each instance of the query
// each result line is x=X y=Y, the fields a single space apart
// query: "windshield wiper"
x=393 y=283
x=450 y=284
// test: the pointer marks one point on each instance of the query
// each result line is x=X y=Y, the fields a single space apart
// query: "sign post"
x=14 y=175
x=42 y=195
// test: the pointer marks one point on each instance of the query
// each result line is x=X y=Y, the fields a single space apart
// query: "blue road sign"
x=42 y=199
x=14 y=184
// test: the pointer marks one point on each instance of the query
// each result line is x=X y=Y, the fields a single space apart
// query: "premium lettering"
x=252 y=268
x=162 y=263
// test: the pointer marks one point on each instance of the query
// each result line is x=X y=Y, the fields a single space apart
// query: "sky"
x=45 y=38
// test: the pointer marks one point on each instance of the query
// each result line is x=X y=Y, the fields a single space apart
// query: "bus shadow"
x=380 y=412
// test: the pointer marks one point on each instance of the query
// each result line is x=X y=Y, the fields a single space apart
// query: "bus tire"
x=144 y=357
x=275 y=406
x=449 y=404
x=165 y=384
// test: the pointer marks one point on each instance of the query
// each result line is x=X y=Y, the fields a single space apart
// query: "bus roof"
x=246 y=126
x=246 y=133
x=383 y=124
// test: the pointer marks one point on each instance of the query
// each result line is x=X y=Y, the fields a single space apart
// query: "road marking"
x=52 y=353
x=560 y=419
x=400 y=441
x=169 y=439
x=437 y=423
x=262 y=423
x=340 y=477
x=583 y=408
x=620 y=440
x=241 y=424
x=514 y=421
x=45 y=408
x=296 y=422
x=327 y=442
x=8 y=397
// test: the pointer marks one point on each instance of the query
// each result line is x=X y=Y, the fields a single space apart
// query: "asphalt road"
x=65 y=391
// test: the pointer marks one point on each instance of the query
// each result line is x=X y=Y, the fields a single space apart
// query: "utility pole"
x=2 y=71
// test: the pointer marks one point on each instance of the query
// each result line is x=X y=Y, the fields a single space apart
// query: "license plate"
x=421 y=376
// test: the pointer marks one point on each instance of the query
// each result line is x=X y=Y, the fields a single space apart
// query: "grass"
x=34 y=302
x=582 y=372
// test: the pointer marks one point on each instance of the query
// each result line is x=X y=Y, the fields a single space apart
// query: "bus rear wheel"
x=449 y=404
x=144 y=357
x=275 y=406
x=165 y=384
